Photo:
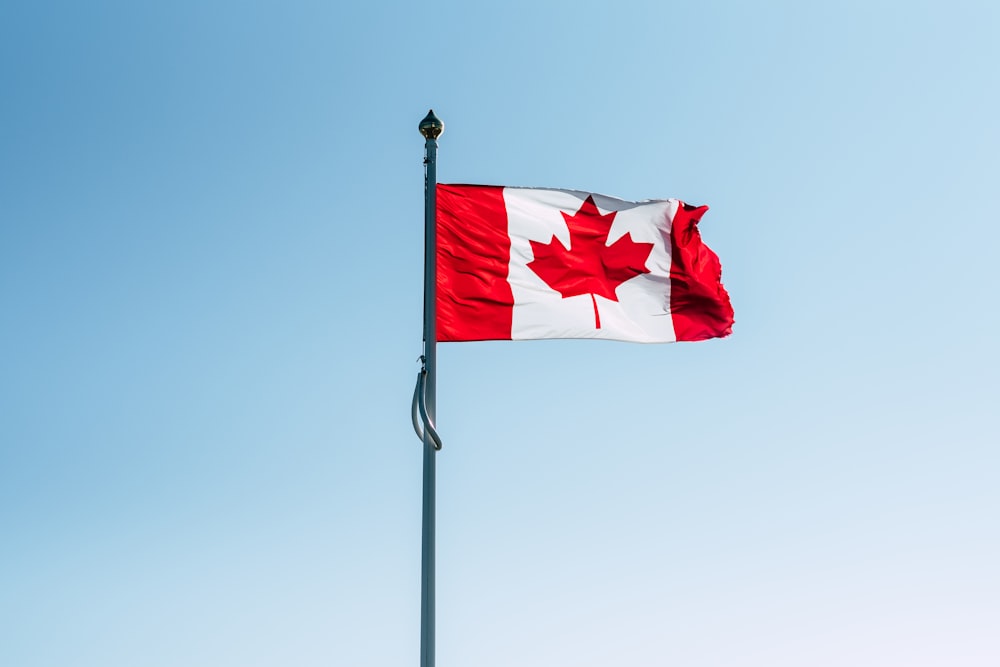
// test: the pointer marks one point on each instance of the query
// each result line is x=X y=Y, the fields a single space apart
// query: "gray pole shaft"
x=430 y=363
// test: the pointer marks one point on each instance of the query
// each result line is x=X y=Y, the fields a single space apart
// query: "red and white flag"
x=528 y=263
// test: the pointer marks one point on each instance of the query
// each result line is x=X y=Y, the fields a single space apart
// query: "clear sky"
x=210 y=314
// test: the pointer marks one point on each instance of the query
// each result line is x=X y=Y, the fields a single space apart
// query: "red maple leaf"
x=589 y=265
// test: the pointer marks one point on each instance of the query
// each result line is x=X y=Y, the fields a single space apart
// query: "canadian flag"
x=529 y=263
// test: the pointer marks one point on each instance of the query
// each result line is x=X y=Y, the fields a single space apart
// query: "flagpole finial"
x=431 y=126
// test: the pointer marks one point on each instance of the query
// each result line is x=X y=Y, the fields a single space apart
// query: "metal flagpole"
x=426 y=392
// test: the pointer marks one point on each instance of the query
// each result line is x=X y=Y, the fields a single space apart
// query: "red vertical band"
x=474 y=300
x=699 y=303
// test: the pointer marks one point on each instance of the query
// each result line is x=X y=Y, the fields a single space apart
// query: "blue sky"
x=210 y=303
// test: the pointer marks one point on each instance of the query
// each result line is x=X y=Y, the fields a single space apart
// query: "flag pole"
x=431 y=128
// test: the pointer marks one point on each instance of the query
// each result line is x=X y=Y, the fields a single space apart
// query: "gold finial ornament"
x=431 y=126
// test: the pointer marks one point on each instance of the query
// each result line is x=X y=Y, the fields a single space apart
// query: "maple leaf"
x=589 y=265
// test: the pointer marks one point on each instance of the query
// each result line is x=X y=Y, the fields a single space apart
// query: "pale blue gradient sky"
x=210 y=302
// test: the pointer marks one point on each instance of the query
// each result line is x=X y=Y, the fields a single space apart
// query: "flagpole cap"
x=431 y=126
